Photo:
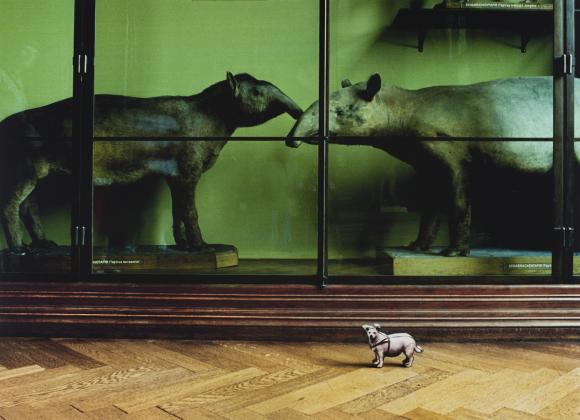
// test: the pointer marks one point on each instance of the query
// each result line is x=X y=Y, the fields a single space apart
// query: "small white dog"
x=391 y=345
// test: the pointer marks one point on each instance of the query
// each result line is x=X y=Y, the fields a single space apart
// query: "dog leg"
x=376 y=359
x=408 y=362
x=381 y=359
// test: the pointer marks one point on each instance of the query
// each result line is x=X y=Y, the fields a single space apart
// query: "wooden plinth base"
x=50 y=260
x=163 y=259
x=481 y=262
x=141 y=259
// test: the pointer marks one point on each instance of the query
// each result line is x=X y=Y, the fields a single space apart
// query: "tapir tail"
x=418 y=349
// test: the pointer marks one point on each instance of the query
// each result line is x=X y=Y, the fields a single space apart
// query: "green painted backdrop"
x=260 y=196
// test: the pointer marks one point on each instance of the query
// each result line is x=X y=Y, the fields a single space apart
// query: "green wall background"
x=260 y=196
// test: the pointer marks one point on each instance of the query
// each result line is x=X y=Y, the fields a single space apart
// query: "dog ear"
x=377 y=326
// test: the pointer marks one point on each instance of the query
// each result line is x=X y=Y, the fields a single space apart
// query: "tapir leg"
x=9 y=214
x=31 y=219
x=178 y=225
x=460 y=216
x=430 y=219
x=430 y=212
x=185 y=218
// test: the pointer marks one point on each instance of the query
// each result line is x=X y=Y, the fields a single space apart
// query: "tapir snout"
x=305 y=129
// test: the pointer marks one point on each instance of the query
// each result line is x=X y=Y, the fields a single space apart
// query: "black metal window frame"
x=82 y=207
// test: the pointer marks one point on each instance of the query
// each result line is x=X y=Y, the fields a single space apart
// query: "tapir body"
x=399 y=119
x=218 y=111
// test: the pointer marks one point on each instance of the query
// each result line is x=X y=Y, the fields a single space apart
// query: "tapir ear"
x=233 y=84
x=373 y=86
x=346 y=83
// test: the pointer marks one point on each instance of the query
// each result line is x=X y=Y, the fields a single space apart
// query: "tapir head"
x=257 y=101
x=351 y=112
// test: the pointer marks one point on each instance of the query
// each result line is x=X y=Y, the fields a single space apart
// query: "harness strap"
x=386 y=339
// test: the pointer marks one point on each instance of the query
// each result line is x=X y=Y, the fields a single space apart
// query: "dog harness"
x=384 y=340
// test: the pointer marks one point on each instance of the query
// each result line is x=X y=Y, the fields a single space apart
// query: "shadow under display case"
x=231 y=159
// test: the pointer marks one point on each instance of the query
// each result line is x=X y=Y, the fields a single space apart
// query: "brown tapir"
x=238 y=101
x=398 y=118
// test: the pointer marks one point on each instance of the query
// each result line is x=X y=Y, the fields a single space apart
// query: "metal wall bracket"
x=564 y=236
x=80 y=62
x=79 y=234
x=564 y=65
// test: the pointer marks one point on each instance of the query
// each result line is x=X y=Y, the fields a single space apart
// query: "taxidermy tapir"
x=507 y=108
x=238 y=101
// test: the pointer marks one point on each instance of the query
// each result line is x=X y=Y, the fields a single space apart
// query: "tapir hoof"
x=455 y=252
x=419 y=246
x=18 y=250
x=43 y=243
x=193 y=248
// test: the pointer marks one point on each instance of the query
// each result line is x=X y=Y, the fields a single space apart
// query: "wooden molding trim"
x=288 y=311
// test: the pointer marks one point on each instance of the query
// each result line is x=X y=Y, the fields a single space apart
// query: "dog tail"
x=418 y=349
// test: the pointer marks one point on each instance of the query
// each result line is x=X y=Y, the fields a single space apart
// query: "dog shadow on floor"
x=358 y=365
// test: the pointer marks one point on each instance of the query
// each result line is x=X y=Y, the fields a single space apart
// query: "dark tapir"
x=238 y=101
x=506 y=108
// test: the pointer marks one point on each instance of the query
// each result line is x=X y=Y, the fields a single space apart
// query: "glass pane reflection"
x=478 y=205
x=36 y=46
x=257 y=203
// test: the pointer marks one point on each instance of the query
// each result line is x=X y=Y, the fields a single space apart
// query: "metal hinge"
x=565 y=236
x=79 y=235
x=564 y=64
x=81 y=62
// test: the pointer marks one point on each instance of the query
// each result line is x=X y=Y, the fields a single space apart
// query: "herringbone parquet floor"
x=157 y=379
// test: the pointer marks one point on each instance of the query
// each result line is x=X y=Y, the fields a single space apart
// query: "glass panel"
x=489 y=193
x=258 y=203
x=207 y=68
x=182 y=69
x=36 y=46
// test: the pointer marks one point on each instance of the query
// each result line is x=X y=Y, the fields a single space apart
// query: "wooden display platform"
x=481 y=262
x=142 y=259
x=50 y=260
x=163 y=259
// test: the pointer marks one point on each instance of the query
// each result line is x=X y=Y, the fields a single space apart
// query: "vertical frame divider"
x=562 y=256
x=568 y=139
x=323 y=137
x=76 y=146
x=85 y=136
x=558 y=86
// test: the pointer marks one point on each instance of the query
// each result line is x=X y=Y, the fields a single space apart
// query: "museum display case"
x=290 y=162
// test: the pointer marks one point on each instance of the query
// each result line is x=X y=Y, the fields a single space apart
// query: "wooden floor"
x=155 y=379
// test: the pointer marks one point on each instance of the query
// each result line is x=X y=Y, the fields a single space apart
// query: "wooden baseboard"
x=288 y=312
